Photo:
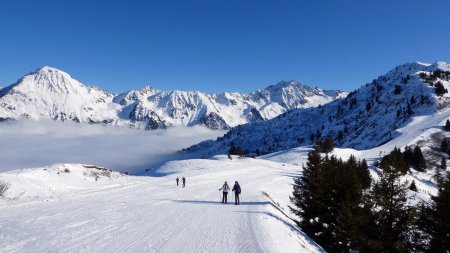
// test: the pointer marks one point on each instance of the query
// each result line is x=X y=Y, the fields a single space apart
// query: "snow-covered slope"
x=366 y=118
x=152 y=214
x=59 y=180
x=53 y=94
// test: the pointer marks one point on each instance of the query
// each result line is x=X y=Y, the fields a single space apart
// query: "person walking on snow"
x=225 y=188
x=183 y=180
x=237 y=191
x=177 y=180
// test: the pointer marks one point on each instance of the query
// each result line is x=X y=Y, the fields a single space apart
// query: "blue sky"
x=220 y=45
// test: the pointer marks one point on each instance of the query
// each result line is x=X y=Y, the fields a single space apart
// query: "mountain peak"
x=290 y=83
x=442 y=65
x=48 y=71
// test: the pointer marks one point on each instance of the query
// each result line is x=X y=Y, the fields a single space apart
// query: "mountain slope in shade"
x=54 y=94
x=366 y=118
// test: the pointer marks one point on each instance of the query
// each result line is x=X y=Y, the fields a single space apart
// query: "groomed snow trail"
x=152 y=214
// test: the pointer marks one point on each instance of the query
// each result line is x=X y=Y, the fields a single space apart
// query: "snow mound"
x=58 y=180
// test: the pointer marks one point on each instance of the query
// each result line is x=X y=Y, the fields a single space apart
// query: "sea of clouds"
x=30 y=144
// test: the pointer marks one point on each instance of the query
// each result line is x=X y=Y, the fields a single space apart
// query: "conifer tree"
x=363 y=174
x=328 y=201
x=419 y=161
x=440 y=89
x=440 y=217
x=304 y=195
x=326 y=145
x=408 y=155
x=445 y=145
x=447 y=126
x=413 y=186
x=388 y=197
x=443 y=165
x=396 y=160
x=346 y=201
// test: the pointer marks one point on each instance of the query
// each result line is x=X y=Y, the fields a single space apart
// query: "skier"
x=237 y=191
x=183 y=180
x=225 y=188
x=177 y=180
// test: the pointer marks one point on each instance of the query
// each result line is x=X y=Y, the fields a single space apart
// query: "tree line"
x=343 y=210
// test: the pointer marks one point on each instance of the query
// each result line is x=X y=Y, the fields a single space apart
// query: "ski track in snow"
x=152 y=214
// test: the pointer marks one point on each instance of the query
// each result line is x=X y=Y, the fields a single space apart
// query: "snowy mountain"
x=366 y=118
x=54 y=94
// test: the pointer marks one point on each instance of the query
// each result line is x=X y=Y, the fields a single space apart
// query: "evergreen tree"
x=413 y=186
x=440 y=89
x=328 y=201
x=443 y=165
x=440 y=218
x=388 y=197
x=447 y=126
x=445 y=145
x=418 y=236
x=340 y=135
x=419 y=161
x=409 y=111
x=350 y=214
x=396 y=160
x=234 y=150
x=398 y=89
x=304 y=195
x=408 y=155
x=363 y=174
x=327 y=145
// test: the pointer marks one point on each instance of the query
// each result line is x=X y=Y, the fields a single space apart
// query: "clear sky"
x=215 y=45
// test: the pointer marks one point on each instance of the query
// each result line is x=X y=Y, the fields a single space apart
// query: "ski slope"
x=72 y=212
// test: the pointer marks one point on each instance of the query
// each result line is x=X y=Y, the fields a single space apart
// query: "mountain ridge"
x=366 y=118
x=54 y=94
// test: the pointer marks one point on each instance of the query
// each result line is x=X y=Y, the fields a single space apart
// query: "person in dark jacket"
x=183 y=180
x=237 y=191
x=177 y=180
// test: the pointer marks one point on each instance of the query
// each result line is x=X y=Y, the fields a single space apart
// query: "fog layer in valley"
x=27 y=144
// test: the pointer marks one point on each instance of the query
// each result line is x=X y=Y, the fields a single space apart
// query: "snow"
x=49 y=93
x=70 y=212
x=79 y=208
x=366 y=118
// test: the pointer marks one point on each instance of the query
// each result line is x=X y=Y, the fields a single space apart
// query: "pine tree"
x=445 y=145
x=396 y=160
x=328 y=201
x=388 y=197
x=326 y=145
x=419 y=161
x=364 y=174
x=443 y=165
x=418 y=236
x=413 y=186
x=347 y=201
x=234 y=150
x=447 y=126
x=440 y=215
x=304 y=195
x=408 y=155
x=440 y=89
